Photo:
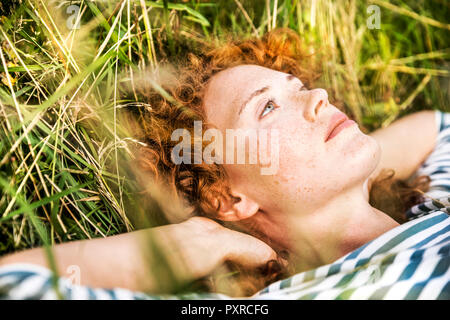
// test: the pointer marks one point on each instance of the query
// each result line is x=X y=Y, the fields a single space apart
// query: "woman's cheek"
x=362 y=156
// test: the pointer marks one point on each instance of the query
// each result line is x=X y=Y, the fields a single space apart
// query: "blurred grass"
x=61 y=149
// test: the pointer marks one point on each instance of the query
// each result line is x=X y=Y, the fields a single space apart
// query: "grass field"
x=67 y=67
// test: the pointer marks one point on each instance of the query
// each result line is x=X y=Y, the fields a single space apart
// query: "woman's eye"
x=270 y=106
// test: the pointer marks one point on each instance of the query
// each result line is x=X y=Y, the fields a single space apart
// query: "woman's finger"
x=246 y=250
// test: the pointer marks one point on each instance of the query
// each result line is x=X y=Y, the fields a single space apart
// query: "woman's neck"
x=345 y=223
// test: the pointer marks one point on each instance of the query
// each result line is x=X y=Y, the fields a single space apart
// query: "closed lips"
x=336 y=120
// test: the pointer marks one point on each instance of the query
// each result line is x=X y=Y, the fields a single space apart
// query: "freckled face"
x=310 y=171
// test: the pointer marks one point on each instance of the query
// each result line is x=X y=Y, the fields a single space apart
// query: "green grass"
x=63 y=156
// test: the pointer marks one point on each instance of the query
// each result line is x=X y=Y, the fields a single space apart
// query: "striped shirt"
x=411 y=261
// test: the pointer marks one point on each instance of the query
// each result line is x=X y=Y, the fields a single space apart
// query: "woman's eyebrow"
x=291 y=77
x=253 y=95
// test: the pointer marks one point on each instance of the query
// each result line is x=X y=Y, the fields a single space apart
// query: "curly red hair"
x=202 y=185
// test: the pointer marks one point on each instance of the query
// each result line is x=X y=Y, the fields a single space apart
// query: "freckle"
x=307 y=189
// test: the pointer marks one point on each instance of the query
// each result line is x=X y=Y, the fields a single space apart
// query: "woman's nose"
x=318 y=98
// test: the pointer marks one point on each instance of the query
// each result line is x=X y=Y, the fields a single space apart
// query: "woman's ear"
x=239 y=208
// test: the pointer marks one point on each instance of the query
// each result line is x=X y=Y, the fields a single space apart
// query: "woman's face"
x=311 y=171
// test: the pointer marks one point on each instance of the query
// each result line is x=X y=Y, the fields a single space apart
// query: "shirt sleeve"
x=32 y=282
x=437 y=167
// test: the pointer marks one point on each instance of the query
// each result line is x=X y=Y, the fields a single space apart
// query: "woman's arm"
x=406 y=143
x=116 y=261
x=194 y=248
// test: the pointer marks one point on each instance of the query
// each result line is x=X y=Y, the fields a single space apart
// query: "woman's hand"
x=203 y=245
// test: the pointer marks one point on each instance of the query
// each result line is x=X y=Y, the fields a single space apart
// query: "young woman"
x=312 y=214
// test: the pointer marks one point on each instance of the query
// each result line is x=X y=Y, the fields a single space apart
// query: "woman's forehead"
x=243 y=73
x=229 y=89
